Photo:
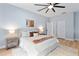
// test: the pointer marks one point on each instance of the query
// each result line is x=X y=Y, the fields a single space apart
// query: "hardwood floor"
x=4 y=52
x=73 y=44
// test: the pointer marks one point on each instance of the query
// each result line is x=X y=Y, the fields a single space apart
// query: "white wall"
x=69 y=21
x=61 y=29
x=70 y=26
x=50 y=28
x=76 y=21
x=11 y=16
x=17 y=16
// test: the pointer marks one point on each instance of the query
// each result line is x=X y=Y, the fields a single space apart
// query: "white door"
x=50 y=28
x=61 y=29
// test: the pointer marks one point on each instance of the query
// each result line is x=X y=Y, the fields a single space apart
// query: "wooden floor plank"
x=73 y=44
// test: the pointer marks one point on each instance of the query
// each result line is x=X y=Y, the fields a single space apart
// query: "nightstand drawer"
x=12 y=44
x=12 y=40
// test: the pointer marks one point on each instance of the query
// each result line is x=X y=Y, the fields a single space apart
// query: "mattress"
x=37 y=49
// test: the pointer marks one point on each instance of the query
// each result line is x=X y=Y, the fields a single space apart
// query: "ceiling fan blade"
x=53 y=9
x=42 y=8
x=60 y=6
x=56 y=4
x=47 y=10
x=40 y=5
x=49 y=3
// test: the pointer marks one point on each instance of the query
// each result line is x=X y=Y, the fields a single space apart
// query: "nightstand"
x=12 y=41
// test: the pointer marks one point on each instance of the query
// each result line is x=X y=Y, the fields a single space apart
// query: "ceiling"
x=70 y=7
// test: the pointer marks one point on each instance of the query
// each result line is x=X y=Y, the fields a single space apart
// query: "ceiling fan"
x=49 y=6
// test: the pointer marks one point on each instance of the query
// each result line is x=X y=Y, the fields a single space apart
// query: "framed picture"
x=30 y=23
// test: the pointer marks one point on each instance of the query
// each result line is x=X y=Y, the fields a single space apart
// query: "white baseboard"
x=68 y=39
x=2 y=47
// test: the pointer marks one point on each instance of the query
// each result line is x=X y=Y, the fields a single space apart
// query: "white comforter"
x=42 y=48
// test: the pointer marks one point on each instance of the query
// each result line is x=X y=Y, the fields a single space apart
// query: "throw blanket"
x=42 y=39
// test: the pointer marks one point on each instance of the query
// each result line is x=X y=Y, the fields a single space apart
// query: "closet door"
x=50 y=28
x=61 y=29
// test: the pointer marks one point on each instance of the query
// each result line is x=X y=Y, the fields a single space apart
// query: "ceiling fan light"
x=50 y=7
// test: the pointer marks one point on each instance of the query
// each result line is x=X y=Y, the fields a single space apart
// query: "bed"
x=40 y=48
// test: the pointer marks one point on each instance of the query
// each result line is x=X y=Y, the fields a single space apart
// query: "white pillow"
x=35 y=34
x=25 y=34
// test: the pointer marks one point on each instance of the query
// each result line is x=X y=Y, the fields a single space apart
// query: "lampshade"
x=41 y=29
x=11 y=31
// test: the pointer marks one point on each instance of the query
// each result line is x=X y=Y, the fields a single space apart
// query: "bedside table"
x=12 y=41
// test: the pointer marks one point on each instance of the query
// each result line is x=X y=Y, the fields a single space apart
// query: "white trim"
x=2 y=47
